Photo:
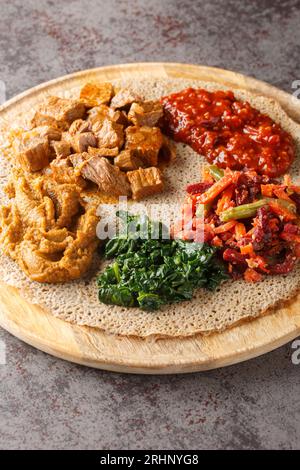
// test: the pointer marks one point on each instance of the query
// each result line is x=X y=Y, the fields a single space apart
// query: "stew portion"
x=228 y=132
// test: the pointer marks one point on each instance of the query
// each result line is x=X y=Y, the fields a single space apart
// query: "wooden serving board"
x=95 y=348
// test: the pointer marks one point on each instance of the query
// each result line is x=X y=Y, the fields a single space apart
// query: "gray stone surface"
x=48 y=403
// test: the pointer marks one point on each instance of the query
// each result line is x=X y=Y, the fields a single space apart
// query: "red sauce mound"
x=228 y=132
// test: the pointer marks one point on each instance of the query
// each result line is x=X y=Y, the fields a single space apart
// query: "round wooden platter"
x=95 y=348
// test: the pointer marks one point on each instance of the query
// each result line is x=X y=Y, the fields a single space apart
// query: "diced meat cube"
x=167 y=152
x=102 y=112
x=52 y=133
x=98 y=113
x=62 y=110
x=127 y=160
x=62 y=149
x=119 y=117
x=79 y=125
x=32 y=151
x=108 y=177
x=103 y=152
x=109 y=134
x=146 y=113
x=147 y=141
x=67 y=137
x=145 y=182
x=93 y=94
x=63 y=172
x=78 y=158
x=82 y=141
x=32 y=147
x=124 y=98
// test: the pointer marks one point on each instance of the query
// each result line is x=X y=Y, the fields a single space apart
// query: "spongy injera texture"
x=233 y=302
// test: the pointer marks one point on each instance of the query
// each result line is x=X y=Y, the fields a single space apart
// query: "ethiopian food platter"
x=150 y=217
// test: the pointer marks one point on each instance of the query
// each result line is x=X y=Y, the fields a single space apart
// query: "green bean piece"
x=216 y=172
x=242 y=212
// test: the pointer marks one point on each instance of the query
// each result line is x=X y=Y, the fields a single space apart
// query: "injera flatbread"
x=234 y=301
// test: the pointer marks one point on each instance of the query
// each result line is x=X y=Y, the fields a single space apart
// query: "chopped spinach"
x=149 y=273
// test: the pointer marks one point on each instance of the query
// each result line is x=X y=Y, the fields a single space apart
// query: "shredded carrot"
x=206 y=176
x=247 y=249
x=281 y=194
x=216 y=189
x=226 y=236
x=280 y=210
x=267 y=189
x=250 y=275
x=225 y=200
x=225 y=227
x=240 y=230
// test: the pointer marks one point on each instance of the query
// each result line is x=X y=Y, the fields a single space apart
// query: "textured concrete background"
x=48 y=403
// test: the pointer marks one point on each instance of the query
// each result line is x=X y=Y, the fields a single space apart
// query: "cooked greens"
x=149 y=273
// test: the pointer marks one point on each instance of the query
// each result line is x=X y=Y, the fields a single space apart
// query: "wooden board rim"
x=94 y=348
x=290 y=103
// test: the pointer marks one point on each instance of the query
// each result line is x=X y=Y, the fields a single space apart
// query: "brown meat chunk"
x=145 y=182
x=32 y=147
x=67 y=137
x=63 y=172
x=63 y=111
x=124 y=98
x=32 y=151
x=62 y=149
x=119 y=117
x=93 y=94
x=77 y=159
x=108 y=177
x=128 y=160
x=82 y=141
x=109 y=134
x=103 y=152
x=98 y=113
x=146 y=113
x=79 y=125
x=147 y=141
x=102 y=112
x=52 y=133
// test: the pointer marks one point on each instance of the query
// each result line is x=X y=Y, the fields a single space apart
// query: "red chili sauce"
x=228 y=132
